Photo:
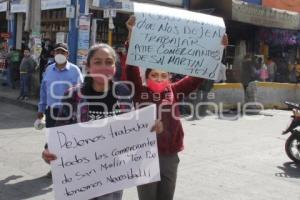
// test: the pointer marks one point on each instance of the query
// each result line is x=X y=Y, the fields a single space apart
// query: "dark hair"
x=95 y=48
x=148 y=70
x=26 y=49
x=88 y=80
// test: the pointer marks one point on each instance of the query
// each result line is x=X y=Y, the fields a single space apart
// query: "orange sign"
x=291 y=5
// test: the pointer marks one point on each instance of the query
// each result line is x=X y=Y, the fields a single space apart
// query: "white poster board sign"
x=61 y=37
x=103 y=156
x=176 y=40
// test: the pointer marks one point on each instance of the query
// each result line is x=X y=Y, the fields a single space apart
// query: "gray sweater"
x=27 y=65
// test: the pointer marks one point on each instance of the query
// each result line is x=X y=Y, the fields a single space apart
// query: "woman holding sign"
x=95 y=98
x=165 y=95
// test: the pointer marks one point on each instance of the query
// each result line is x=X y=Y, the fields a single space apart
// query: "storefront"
x=54 y=22
x=120 y=14
x=100 y=28
x=275 y=33
x=19 y=10
x=250 y=27
x=3 y=18
x=4 y=35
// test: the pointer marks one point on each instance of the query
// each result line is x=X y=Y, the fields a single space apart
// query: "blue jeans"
x=9 y=79
x=12 y=75
x=24 y=85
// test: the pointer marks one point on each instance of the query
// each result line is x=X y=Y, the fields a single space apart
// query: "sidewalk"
x=10 y=96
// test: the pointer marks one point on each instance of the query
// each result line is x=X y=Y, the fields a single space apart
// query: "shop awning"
x=263 y=16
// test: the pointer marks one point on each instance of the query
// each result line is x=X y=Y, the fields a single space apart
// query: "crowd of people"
x=101 y=67
x=274 y=69
x=20 y=67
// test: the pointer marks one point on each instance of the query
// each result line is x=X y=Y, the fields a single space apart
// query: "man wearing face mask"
x=58 y=77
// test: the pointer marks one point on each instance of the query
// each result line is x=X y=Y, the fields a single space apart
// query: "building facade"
x=60 y=22
x=259 y=28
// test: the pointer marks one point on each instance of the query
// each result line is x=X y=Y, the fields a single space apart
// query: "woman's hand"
x=130 y=22
x=157 y=127
x=47 y=156
x=225 y=40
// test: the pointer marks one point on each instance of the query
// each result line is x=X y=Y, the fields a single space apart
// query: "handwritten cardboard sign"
x=98 y=157
x=176 y=40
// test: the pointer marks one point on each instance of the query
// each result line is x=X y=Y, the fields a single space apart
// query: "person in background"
x=297 y=70
x=3 y=66
x=13 y=59
x=201 y=96
x=247 y=70
x=58 y=77
x=222 y=74
x=263 y=74
x=50 y=59
x=272 y=69
x=121 y=64
x=256 y=69
x=27 y=68
x=282 y=73
x=184 y=109
x=292 y=72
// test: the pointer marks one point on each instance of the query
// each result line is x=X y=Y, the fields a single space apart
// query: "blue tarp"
x=258 y=2
x=108 y=4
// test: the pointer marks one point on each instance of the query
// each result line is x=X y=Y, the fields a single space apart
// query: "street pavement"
x=236 y=158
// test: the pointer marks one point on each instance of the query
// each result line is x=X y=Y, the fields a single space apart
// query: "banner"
x=103 y=156
x=36 y=44
x=83 y=40
x=110 y=4
x=19 y=6
x=258 y=2
x=176 y=40
x=54 y=4
x=292 y=5
x=3 y=7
